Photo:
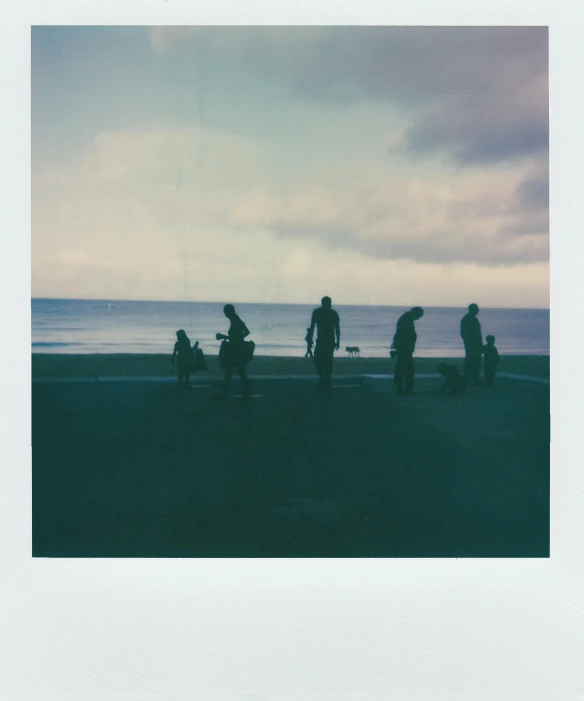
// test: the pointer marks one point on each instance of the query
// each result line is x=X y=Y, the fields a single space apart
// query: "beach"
x=125 y=466
x=46 y=365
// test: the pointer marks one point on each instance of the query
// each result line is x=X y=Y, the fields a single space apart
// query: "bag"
x=225 y=355
x=200 y=363
x=249 y=348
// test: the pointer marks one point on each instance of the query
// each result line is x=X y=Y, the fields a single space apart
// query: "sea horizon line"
x=281 y=304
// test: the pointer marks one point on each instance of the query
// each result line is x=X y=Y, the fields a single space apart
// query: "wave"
x=55 y=344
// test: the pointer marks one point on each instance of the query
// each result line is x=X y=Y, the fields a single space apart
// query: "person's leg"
x=489 y=377
x=318 y=364
x=467 y=365
x=328 y=367
x=409 y=372
x=476 y=366
x=243 y=379
x=398 y=376
x=227 y=381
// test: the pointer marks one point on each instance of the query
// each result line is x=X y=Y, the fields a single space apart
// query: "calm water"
x=91 y=326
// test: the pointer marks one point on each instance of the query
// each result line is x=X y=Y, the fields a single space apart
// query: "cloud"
x=440 y=220
x=127 y=189
x=483 y=129
x=533 y=193
x=476 y=95
x=127 y=215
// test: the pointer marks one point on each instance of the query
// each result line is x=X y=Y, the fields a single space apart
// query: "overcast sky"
x=377 y=165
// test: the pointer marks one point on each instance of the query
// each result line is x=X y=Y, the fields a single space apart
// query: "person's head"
x=229 y=311
x=473 y=309
x=417 y=312
x=326 y=302
x=196 y=345
x=490 y=340
x=443 y=368
x=181 y=335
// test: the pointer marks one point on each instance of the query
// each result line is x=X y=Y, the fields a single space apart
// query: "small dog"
x=353 y=351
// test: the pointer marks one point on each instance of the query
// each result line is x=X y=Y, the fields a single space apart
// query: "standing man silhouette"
x=328 y=338
x=404 y=343
x=472 y=337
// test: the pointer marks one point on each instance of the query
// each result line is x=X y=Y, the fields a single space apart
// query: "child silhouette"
x=491 y=356
x=184 y=354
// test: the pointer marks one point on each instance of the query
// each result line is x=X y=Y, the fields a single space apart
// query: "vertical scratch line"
x=184 y=237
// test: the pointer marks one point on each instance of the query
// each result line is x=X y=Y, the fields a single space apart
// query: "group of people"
x=235 y=351
x=404 y=344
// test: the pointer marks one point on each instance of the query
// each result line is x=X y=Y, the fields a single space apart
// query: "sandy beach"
x=126 y=365
x=144 y=469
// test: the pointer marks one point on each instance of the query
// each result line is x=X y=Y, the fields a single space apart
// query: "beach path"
x=143 y=469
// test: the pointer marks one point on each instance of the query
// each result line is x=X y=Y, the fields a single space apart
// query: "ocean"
x=111 y=326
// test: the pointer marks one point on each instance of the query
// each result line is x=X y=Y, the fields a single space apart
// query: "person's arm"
x=478 y=334
x=338 y=330
x=174 y=352
x=245 y=331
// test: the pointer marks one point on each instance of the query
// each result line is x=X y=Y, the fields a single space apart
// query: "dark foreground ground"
x=142 y=469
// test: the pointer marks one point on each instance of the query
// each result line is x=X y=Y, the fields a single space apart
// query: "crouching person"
x=454 y=382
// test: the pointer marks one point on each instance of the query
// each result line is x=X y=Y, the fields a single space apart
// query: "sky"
x=377 y=165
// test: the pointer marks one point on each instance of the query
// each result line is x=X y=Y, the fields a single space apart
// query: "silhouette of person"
x=233 y=354
x=199 y=358
x=308 y=344
x=472 y=337
x=404 y=344
x=184 y=355
x=491 y=361
x=453 y=381
x=328 y=339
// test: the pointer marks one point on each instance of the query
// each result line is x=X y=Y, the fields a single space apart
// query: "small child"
x=453 y=381
x=491 y=355
x=199 y=358
x=182 y=349
x=309 y=343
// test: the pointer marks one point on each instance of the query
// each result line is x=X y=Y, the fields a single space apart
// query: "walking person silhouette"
x=233 y=353
x=472 y=337
x=327 y=323
x=404 y=344
x=309 y=342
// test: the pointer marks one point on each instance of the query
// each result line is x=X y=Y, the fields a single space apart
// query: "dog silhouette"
x=353 y=351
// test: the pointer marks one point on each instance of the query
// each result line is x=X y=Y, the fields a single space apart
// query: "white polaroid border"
x=468 y=630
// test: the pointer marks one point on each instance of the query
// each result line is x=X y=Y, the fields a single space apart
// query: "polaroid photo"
x=289 y=323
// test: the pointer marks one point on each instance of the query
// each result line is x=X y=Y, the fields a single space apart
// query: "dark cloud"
x=534 y=193
x=538 y=227
x=477 y=94
x=478 y=132
x=434 y=247
x=416 y=64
